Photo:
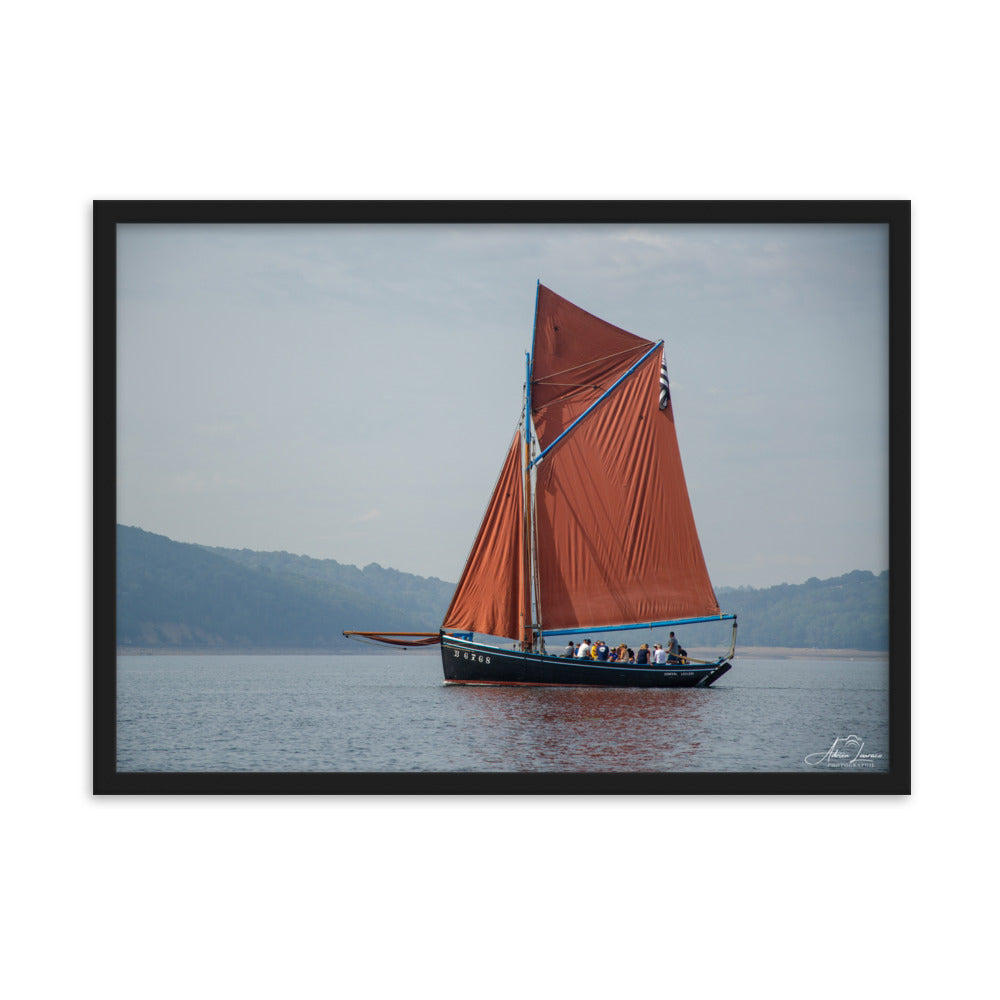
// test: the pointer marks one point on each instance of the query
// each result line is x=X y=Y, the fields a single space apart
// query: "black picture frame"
x=107 y=215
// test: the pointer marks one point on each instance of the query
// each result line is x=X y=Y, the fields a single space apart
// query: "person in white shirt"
x=583 y=650
x=659 y=654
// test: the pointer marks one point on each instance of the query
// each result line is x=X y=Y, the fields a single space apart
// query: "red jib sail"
x=615 y=539
x=487 y=598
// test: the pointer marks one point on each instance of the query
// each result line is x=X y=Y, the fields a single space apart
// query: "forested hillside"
x=846 y=612
x=177 y=595
x=174 y=595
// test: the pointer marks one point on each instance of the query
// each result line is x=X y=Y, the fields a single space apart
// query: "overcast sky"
x=349 y=392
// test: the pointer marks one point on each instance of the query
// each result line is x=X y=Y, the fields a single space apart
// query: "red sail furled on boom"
x=487 y=597
x=616 y=539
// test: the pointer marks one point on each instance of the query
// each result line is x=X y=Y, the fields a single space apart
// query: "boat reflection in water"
x=582 y=729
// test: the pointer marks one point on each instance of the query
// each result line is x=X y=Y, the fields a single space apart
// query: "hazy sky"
x=349 y=392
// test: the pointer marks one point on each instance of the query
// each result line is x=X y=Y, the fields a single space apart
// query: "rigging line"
x=597 y=402
x=574 y=385
x=593 y=361
x=567 y=397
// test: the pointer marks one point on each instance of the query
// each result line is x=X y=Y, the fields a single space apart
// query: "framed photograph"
x=502 y=497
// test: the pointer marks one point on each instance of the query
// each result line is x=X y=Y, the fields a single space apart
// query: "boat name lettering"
x=473 y=656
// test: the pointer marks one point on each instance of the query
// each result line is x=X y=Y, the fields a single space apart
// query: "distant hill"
x=175 y=595
x=178 y=595
x=845 y=612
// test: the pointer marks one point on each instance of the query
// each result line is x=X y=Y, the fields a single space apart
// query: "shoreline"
x=744 y=652
x=804 y=653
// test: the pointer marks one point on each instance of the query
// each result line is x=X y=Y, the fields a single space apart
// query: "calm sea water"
x=394 y=713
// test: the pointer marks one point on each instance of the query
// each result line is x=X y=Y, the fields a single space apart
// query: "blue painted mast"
x=527 y=561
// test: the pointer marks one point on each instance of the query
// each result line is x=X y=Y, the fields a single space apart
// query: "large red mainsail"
x=615 y=539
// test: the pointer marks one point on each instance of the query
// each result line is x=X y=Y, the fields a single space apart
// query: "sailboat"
x=589 y=529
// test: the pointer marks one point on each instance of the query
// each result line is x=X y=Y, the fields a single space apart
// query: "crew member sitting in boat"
x=659 y=655
x=602 y=650
x=570 y=649
x=583 y=650
x=642 y=657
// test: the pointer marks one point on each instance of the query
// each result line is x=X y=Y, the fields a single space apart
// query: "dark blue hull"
x=476 y=663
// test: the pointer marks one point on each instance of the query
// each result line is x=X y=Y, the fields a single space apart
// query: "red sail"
x=488 y=596
x=615 y=536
